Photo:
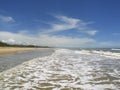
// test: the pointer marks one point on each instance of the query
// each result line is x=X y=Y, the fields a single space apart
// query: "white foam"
x=100 y=52
x=108 y=54
x=63 y=69
x=83 y=52
x=115 y=49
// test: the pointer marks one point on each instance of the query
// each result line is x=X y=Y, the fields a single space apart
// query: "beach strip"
x=9 y=50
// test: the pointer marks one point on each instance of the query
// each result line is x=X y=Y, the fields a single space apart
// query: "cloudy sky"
x=61 y=23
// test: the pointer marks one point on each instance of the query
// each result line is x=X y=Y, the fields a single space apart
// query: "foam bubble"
x=64 y=69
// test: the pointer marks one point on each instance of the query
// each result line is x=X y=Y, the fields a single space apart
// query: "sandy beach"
x=12 y=56
x=9 y=50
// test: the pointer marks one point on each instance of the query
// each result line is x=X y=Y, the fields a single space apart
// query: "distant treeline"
x=2 y=44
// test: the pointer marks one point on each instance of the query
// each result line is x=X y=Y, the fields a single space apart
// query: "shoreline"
x=11 y=60
x=11 y=50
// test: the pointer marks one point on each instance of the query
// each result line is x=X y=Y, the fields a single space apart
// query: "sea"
x=66 y=69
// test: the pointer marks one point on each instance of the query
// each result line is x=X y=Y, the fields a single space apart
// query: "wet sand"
x=9 y=50
x=12 y=57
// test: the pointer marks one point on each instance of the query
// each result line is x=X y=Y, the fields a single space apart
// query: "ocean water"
x=11 y=60
x=66 y=69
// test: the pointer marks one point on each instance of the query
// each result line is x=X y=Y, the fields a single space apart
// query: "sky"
x=61 y=23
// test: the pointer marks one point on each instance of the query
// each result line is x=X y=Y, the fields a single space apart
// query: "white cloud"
x=63 y=23
x=6 y=18
x=54 y=41
x=92 y=32
x=67 y=23
x=23 y=32
x=46 y=40
x=65 y=41
x=11 y=40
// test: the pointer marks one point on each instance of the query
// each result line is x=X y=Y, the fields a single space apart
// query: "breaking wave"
x=66 y=70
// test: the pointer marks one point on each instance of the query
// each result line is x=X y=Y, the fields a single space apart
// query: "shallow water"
x=66 y=70
x=11 y=60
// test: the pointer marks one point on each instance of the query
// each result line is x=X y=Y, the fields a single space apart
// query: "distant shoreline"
x=10 y=50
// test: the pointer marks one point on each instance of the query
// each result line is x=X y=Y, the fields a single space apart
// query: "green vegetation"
x=2 y=44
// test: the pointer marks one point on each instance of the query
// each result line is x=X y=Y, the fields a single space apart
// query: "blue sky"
x=61 y=23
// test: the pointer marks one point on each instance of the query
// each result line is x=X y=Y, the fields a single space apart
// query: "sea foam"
x=65 y=69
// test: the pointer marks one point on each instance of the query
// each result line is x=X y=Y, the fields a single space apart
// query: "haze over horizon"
x=61 y=23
